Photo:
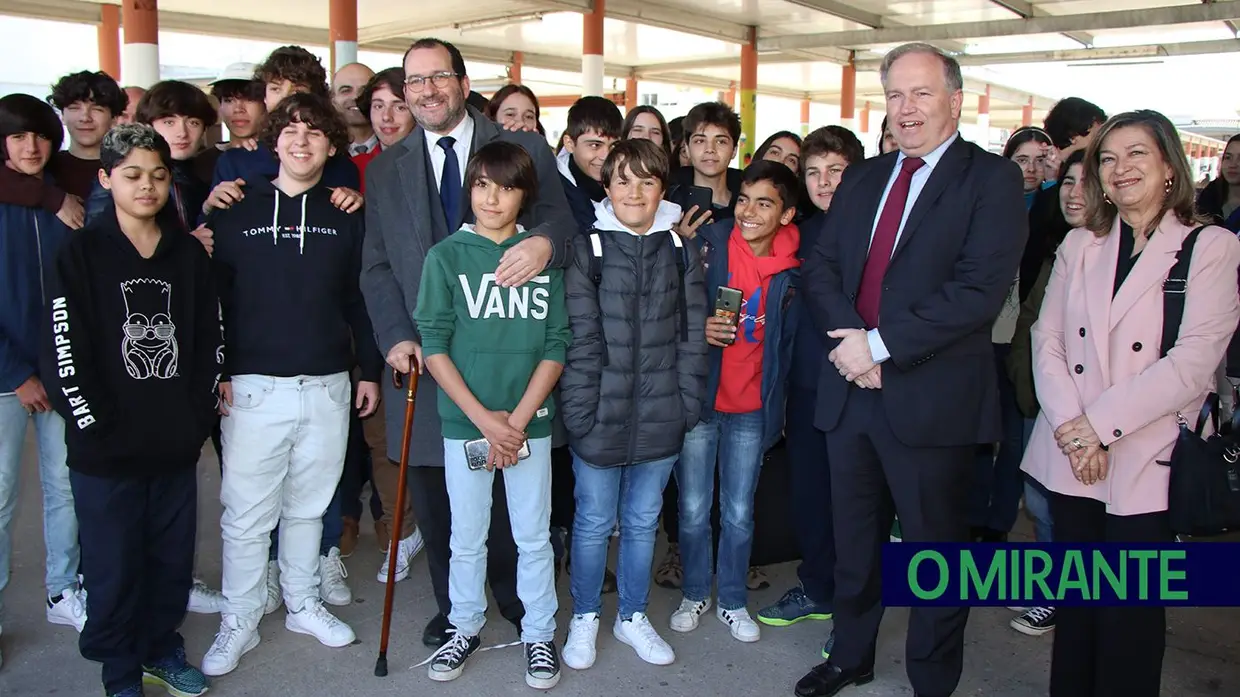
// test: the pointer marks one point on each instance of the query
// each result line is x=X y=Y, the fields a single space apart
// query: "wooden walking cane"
x=381 y=667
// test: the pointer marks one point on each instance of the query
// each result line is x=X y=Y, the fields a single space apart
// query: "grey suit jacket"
x=404 y=217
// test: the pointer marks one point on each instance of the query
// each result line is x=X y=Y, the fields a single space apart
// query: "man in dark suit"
x=909 y=272
x=415 y=198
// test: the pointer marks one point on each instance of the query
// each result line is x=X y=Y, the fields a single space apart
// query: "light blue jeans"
x=734 y=441
x=60 y=526
x=634 y=494
x=1037 y=502
x=528 y=488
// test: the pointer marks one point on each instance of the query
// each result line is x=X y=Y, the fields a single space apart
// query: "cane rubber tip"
x=381 y=667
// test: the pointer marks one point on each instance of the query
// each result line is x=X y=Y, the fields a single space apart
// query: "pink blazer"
x=1099 y=356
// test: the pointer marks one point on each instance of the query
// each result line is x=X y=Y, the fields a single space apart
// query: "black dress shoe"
x=437 y=632
x=827 y=679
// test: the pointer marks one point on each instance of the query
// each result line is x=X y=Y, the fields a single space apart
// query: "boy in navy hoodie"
x=593 y=128
x=743 y=414
x=287 y=263
x=136 y=417
x=29 y=239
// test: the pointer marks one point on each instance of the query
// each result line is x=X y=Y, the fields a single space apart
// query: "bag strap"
x=1175 y=289
x=596 y=275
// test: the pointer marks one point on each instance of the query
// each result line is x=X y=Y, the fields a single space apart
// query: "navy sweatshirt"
x=287 y=269
x=130 y=351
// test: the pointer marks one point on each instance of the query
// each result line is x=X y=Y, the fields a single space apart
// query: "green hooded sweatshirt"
x=495 y=336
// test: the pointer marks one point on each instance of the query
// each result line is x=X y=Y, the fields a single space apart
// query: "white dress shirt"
x=878 y=350
x=364 y=147
x=464 y=134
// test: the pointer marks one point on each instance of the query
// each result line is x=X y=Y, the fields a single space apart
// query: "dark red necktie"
x=884 y=243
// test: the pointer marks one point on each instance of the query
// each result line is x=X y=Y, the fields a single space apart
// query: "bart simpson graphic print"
x=149 y=346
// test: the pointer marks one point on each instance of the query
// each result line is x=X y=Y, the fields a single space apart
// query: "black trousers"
x=430 y=499
x=872 y=473
x=358 y=470
x=137 y=536
x=810 y=496
x=1104 y=651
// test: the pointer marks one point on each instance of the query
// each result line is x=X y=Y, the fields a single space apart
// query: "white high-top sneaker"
x=579 y=648
x=233 y=641
x=638 y=633
x=405 y=552
x=314 y=619
x=333 y=588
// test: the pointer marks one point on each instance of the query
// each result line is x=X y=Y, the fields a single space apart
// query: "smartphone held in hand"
x=476 y=452
x=728 y=306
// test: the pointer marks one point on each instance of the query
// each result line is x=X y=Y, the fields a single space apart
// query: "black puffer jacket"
x=632 y=387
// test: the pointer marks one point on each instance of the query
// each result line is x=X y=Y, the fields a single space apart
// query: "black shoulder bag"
x=1204 y=494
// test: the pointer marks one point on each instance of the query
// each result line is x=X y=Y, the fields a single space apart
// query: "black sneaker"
x=449 y=661
x=542 y=671
x=1035 y=622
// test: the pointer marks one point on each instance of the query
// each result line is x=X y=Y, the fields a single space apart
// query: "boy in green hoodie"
x=496 y=354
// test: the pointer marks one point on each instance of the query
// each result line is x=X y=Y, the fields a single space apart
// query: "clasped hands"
x=853 y=360
x=1078 y=440
x=505 y=432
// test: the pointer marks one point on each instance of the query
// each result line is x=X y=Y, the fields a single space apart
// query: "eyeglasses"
x=142 y=331
x=417 y=83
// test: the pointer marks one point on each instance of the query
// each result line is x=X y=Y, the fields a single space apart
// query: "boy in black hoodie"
x=594 y=125
x=287 y=263
x=136 y=419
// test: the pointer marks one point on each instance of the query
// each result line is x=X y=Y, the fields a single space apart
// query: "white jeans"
x=528 y=488
x=284 y=444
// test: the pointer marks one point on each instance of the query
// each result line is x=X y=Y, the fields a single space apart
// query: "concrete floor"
x=1203 y=654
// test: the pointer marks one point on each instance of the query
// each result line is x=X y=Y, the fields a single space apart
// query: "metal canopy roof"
x=802 y=43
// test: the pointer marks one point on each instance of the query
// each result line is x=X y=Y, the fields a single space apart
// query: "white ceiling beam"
x=1193 y=48
x=423 y=25
x=715 y=83
x=655 y=15
x=1050 y=24
x=53 y=10
x=841 y=10
x=1021 y=8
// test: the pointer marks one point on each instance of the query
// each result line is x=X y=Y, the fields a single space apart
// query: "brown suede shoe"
x=348 y=536
x=383 y=535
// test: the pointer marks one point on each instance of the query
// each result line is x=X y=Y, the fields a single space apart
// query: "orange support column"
x=848 y=94
x=514 y=70
x=140 y=57
x=1026 y=114
x=342 y=25
x=729 y=97
x=749 y=96
x=864 y=122
x=630 y=94
x=109 y=34
x=592 y=50
x=804 y=117
x=983 y=118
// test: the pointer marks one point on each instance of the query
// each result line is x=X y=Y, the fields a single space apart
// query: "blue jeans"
x=527 y=486
x=60 y=524
x=635 y=495
x=1037 y=500
x=734 y=441
x=994 y=499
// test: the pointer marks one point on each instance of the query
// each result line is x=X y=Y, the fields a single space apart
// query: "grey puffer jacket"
x=632 y=384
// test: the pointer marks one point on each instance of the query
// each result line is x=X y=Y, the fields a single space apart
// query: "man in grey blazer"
x=415 y=197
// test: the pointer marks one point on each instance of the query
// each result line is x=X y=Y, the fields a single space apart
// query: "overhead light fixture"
x=498 y=21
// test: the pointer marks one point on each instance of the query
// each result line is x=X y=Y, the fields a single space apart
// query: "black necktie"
x=450 y=181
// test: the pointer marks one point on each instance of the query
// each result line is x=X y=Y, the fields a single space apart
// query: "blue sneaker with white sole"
x=176 y=675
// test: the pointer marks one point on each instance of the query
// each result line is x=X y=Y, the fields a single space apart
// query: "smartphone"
x=728 y=305
x=701 y=196
x=476 y=452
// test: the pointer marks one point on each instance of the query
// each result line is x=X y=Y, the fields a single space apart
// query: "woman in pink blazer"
x=1109 y=401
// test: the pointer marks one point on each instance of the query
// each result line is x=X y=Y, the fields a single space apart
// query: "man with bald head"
x=346 y=84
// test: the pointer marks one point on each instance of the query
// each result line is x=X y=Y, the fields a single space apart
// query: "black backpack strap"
x=682 y=265
x=1175 y=290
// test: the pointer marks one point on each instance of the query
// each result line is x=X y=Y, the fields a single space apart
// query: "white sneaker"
x=579 y=652
x=332 y=586
x=405 y=552
x=314 y=619
x=231 y=643
x=204 y=600
x=687 y=616
x=275 y=596
x=69 y=610
x=638 y=633
x=742 y=625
